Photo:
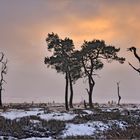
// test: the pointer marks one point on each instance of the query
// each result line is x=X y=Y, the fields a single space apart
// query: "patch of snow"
x=100 y=126
x=88 y=111
x=57 y=116
x=17 y=114
x=37 y=138
x=35 y=109
x=106 y=109
x=7 y=138
x=110 y=109
x=89 y=128
x=120 y=124
x=14 y=114
x=34 y=121
x=78 y=130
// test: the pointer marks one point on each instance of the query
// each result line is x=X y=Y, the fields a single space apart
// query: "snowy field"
x=53 y=122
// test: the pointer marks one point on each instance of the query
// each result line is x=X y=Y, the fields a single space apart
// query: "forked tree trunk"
x=66 y=93
x=90 y=82
x=90 y=91
x=71 y=92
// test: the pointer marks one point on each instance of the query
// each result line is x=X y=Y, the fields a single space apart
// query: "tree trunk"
x=90 y=100
x=71 y=92
x=90 y=91
x=90 y=81
x=66 y=93
x=0 y=98
x=119 y=97
x=85 y=105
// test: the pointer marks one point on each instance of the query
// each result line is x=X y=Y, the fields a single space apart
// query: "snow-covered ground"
x=38 y=138
x=90 y=128
x=88 y=111
x=16 y=114
x=71 y=127
x=57 y=116
x=32 y=138
x=83 y=129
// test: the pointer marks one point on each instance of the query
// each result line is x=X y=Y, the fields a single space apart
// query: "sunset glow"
x=24 y=27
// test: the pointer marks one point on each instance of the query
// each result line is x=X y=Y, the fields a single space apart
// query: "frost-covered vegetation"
x=40 y=121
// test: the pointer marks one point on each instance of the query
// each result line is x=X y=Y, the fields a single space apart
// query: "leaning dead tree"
x=118 y=90
x=3 y=71
x=2 y=56
x=134 y=50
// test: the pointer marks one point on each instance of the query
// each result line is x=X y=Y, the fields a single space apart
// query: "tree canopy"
x=78 y=63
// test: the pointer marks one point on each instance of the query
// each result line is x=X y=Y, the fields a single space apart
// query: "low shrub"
x=54 y=126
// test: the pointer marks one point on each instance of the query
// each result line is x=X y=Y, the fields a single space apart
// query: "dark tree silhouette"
x=64 y=61
x=74 y=74
x=91 y=55
x=134 y=50
x=118 y=90
x=69 y=62
x=3 y=71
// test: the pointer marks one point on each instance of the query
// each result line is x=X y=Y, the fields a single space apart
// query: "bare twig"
x=87 y=90
x=138 y=70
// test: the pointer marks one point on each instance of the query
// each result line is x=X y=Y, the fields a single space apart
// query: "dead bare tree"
x=118 y=90
x=3 y=71
x=2 y=56
x=134 y=50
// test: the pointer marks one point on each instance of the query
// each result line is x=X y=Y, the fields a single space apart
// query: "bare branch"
x=87 y=90
x=2 y=56
x=134 y=50
x=138 y=70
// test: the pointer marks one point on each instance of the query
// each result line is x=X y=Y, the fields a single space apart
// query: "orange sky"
x=24 y=26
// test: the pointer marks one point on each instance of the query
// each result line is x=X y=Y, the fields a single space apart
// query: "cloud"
x=25 y=25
